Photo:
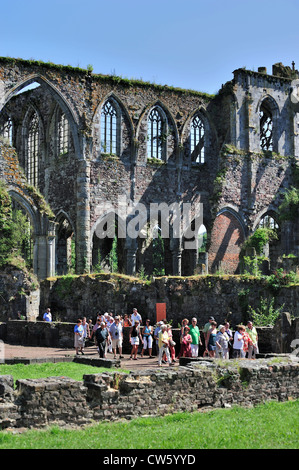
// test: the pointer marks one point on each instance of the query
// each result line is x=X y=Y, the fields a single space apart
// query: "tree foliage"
x=259 y=239
x=14 y=230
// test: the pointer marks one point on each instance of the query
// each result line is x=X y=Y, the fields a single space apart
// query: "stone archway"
x=65 y=245
x=227 y=237
x=43 y=236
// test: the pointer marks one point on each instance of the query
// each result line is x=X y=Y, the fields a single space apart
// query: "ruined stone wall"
x=199 y=296
x=250 y=90
x=62 y=401
x=82 y=184
x=19 y=291
x=247 y=187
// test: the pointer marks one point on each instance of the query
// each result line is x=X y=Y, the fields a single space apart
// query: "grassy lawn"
x=270 y=426
x=49 y=369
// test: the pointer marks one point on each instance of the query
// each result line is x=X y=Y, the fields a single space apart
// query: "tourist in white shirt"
x=239 y=342
x=135 y=316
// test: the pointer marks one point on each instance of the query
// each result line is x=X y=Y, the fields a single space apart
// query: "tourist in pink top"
x=186 y=341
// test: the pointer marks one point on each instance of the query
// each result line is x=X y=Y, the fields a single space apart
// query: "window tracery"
x=155 y=136
x=268 y=222
x=33 y=151
x=63 y=134
x=266 y=128
x=109 y=128
x=197 y=137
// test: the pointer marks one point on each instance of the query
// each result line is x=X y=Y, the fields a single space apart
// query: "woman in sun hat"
x=222 y=342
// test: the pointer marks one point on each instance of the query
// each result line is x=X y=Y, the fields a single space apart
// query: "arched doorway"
x=227 y=237
x=65 y=261
x=108 y=248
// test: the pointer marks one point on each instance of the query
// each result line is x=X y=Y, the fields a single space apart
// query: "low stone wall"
x=39 y=333
x=113 y=396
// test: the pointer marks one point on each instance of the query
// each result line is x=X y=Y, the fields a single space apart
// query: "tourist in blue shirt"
x=79 y=336
x=47 y=315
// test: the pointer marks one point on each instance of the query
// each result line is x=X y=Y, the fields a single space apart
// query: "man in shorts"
x=116 y=335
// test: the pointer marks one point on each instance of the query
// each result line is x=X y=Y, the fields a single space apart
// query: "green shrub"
x=259 y=239
x=289 y=207
x=266 y=314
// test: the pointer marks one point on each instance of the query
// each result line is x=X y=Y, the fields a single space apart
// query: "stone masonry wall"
x=62 y=401
x=81 y=184
x=224 y=297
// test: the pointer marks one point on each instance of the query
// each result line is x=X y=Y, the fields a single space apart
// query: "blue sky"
x=192 y=44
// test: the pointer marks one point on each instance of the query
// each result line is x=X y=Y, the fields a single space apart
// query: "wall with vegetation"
x=112 y=396
x=224 y=297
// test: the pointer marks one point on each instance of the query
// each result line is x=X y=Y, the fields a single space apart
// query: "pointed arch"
x=156 y=131
x=166 y=137
x=43 y=235
x=58 y=96
x=121 y=105
x=272 y=104
x=267 y=213
x=65 y=244
x=268 y=112
x=227 y=237
x=197 y=135
x=167 y=114
x=30 y=210
x=112 y=127
x=108 y=243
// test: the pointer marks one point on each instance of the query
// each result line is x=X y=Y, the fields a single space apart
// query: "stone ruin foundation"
x=194 y=385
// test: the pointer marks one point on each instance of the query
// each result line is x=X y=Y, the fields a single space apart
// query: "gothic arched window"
x=63 y=134
x=268 y=222
x=33 y=150
x=266 y=127
x=155 y=135
x=6 y=130
x=197 y=137
x=109 y=128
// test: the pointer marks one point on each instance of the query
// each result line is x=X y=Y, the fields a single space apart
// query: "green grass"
x=269 y=426
x=49 y=369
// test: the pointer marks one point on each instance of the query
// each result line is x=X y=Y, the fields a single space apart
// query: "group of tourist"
x=218 y=341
